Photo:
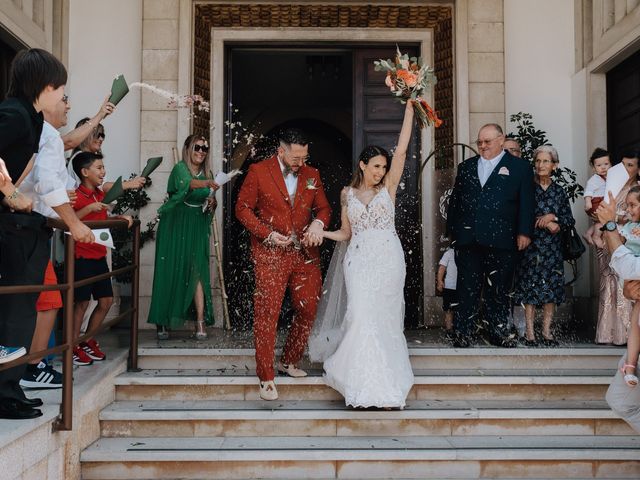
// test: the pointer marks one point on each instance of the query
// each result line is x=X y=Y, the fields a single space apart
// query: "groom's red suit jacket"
x=264 y=206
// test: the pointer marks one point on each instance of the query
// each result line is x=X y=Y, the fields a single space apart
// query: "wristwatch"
x=610 y=226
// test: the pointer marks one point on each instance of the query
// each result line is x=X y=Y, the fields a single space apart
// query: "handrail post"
x=135 y=290
x=66 y=408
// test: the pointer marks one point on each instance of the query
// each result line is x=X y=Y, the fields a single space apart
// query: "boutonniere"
x=503 y=171
x=311 y=184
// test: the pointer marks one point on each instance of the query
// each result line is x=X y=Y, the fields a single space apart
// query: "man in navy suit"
x=490 y=219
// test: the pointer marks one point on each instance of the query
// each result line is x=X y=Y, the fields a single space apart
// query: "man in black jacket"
x=490 y=219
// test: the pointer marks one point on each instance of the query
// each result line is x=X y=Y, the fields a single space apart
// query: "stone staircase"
x=194 y=413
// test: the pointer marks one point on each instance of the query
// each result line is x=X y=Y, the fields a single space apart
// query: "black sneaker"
x=41 y=376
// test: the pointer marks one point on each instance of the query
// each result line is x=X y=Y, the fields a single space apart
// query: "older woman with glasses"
x=540 y=276
x=181 y=285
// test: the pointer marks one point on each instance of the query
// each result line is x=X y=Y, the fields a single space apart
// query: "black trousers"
x=487 y=272
x=24 y=253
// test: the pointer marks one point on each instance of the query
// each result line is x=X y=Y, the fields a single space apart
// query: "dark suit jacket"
x=493 y=215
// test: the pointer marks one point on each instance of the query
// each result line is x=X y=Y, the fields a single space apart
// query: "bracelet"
x=13 y=196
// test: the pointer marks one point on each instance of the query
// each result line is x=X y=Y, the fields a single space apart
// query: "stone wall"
x=159 y=125
x=486 y=75
x=30 y=21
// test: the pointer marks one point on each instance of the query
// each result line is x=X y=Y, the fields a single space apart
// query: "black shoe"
x=528 y=343
x=508 y=343
x=460 y=341
x=550 y=342
x=12 y=409
x=41 y=375
x=32 y=402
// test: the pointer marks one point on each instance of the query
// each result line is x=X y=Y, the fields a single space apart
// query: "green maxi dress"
x=182 y=252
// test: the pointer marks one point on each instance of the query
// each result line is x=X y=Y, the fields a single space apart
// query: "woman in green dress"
x=181 y=283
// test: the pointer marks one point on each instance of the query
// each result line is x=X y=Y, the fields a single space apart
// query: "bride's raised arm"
x=345 y=228
x=400 y=155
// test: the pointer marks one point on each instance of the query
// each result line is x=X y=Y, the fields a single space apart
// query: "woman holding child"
x=181 y=279
x=614 y=309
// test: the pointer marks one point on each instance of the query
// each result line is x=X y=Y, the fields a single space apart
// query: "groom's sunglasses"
x=200 y=148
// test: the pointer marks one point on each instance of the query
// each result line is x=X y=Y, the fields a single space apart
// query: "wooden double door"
x=623 y=107
x=374 y=118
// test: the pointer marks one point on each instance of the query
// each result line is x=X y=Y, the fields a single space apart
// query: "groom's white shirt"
x=291 y=181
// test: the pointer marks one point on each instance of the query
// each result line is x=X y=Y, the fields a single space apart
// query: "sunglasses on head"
x=200 y=148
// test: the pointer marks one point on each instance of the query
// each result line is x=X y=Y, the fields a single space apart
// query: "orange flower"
x=410 y=79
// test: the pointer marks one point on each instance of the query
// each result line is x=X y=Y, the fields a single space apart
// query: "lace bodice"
x=379 y=214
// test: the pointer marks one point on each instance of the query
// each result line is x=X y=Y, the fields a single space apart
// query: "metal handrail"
x=65 y=419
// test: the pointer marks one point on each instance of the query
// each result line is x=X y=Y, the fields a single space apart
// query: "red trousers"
x=276 y=270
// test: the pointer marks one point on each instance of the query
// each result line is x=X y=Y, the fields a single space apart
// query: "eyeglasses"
x=100 y=135
x=297 y=159
x=200 y=148
x=543 y=161
x=479 y=143
x=65 y=98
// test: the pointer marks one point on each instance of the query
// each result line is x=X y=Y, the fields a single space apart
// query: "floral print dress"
x=540 y=274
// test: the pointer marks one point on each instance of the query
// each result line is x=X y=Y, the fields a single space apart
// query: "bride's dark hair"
x=367 y=154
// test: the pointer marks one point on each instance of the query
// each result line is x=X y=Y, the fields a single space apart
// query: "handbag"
x=572 y=246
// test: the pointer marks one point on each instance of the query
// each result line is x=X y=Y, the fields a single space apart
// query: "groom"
x=490 y=219
x=283 y=205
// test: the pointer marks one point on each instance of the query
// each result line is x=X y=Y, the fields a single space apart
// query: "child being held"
x=594 y=193
x=91 y=258
x=630 y=232
x=446 y=284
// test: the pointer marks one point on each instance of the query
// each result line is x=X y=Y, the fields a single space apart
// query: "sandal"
x=201 y=333
x=163 y=332
x=629 y=378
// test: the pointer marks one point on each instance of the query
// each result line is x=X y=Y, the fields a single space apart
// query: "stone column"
x=158 y=132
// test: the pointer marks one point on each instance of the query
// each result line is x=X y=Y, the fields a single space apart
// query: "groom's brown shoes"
x=291 y=370
x=268 y=390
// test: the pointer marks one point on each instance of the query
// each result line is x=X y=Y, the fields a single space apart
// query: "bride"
x=359 y=328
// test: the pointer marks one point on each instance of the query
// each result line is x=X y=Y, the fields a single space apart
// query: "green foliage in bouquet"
x=131 y=202
x=530 y=138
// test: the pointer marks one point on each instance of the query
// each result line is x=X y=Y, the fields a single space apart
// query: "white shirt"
x=485 y=167
x=290 y=180
x=48 y=182
x=625 y=263
x=596 y=186
x=449 y=263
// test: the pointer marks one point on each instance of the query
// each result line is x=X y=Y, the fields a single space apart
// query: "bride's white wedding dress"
x=370 y=366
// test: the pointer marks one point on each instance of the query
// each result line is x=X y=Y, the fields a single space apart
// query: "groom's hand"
x=278 y=240
x=313 y=235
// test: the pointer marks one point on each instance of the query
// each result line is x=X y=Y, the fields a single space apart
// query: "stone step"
x=432 y=384
x=577 y=357
x=332 y=418
x=461 y=457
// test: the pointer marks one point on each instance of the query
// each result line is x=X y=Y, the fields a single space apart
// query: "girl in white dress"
x=360 y=338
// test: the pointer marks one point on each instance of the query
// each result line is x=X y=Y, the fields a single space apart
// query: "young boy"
x=90 y=258
x=36 y=82
x=447 y=279
x=594 y=193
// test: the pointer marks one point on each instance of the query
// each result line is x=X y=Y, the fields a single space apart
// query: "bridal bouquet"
x=408 y=79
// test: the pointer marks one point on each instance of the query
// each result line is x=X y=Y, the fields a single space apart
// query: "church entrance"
x=334 y=94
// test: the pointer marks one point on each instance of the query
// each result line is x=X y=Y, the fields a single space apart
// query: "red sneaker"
x=80 y=357
x=92 y=349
